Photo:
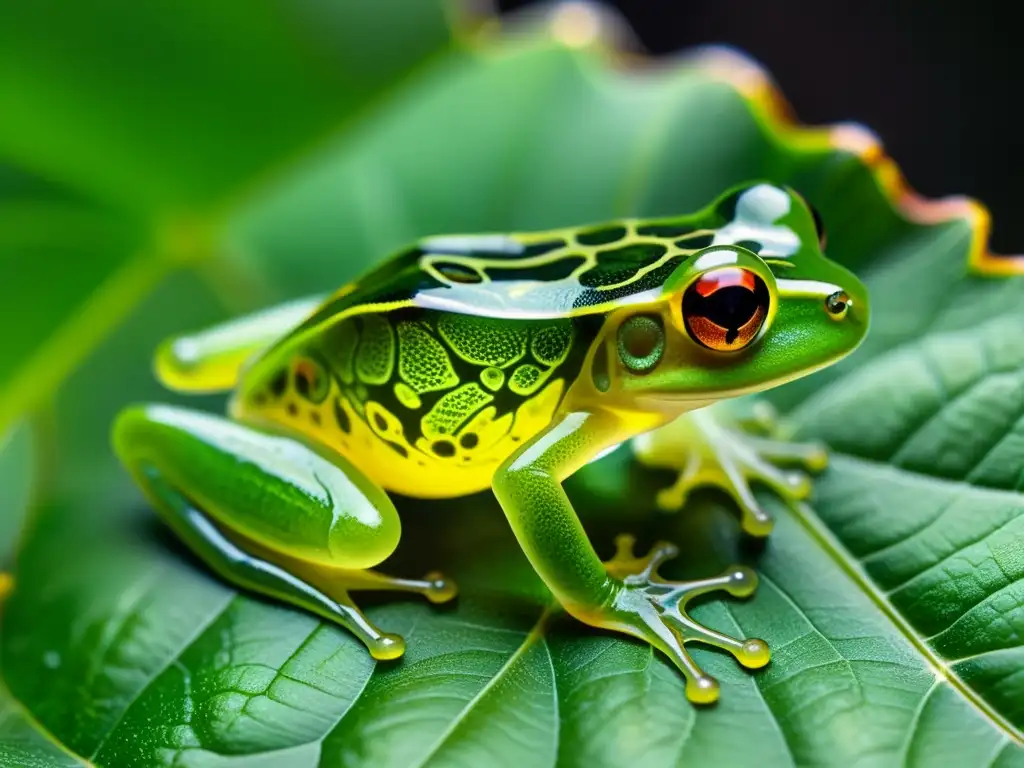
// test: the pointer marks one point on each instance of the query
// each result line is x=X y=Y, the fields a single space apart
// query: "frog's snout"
x=849 y=308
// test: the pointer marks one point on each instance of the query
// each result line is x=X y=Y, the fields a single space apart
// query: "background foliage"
x=169 y=165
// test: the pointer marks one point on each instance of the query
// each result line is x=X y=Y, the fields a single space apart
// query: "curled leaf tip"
x=753 y=82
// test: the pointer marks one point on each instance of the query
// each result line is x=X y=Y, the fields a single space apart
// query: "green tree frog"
x=502 y=361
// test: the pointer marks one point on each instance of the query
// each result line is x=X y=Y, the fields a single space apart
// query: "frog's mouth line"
x=701 y=399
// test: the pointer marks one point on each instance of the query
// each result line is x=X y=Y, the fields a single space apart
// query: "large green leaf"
x=893 y=602
x=23 y=745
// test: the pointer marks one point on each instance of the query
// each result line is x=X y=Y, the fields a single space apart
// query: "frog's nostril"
x=837 y=305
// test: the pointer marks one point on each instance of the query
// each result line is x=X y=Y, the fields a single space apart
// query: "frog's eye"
x=724 y=309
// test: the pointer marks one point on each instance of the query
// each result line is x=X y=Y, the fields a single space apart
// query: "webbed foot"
x=707 y=453
x=653 y=609
x=337 y=585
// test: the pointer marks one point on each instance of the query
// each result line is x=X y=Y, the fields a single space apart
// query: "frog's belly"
x=404 y=459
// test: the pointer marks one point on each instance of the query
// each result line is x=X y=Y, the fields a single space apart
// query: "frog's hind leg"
x=337 y=584
x=706 y=452
x=255 y=574
x=270 y=514
x=211 y=360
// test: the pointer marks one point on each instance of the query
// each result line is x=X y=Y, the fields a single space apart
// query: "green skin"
x=440 y=373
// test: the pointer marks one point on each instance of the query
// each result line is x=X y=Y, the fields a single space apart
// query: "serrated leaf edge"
x=585 y=24
x=817 y=530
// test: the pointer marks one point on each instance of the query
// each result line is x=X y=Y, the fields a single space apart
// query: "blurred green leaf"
x=70 y=268
x=892 y=604
x=170 y=106
x=16 y=480
x=129 y=133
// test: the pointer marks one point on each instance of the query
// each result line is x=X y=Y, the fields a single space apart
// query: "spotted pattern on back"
x=488 y=341
x=456 y=351
x=461 y=390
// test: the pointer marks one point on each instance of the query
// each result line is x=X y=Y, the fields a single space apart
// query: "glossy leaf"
x=23 y=745
x=892 y=601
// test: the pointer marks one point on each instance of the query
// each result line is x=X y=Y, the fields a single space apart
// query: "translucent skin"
x=502 y=361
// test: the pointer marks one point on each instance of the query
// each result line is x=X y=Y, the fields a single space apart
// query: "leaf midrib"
x=536 y=633
x=808 y=520
x=848 y=563
x=171 y=661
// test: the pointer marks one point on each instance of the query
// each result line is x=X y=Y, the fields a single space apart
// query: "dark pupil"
x=730 y=307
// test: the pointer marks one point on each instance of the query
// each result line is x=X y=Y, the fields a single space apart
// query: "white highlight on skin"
x=714 y=259
x=521 y=299
x=275 y=456
x=257 y=329
x=465 y=244
x=806 y=288
x=563 y=429
x=756 y=211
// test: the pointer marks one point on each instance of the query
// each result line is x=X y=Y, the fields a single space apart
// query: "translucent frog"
x=503 y=361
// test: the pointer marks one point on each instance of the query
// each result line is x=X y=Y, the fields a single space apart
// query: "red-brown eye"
x=725 y=308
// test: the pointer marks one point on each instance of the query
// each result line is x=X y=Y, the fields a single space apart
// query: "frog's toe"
x=386 y=647
x=656 y=609
x=337 y=585
x=761 y=418
x=627 y=565
x=737 y=461
x=435 y=586
x=696 y=471
x=438 y=588
x=673 y=498
x=383 y=646
x=812 y=456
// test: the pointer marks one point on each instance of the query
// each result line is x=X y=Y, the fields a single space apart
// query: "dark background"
x=938 y=82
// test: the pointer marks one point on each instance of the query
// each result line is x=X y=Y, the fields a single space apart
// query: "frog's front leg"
x=707 y=452
x=211 y=360
x=626 y=593
x=270 y=514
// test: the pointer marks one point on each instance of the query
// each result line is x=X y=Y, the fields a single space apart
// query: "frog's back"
x=436 y=366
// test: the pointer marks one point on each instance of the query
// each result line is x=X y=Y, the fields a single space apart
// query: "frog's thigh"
x=269 y=513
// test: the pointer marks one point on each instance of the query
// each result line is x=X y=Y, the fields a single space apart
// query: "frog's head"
x=760 y=306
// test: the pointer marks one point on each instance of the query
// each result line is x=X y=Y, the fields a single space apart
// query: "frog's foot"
x=707 y=453
x=383 y=646
x=653 y=609
x=336 y=585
